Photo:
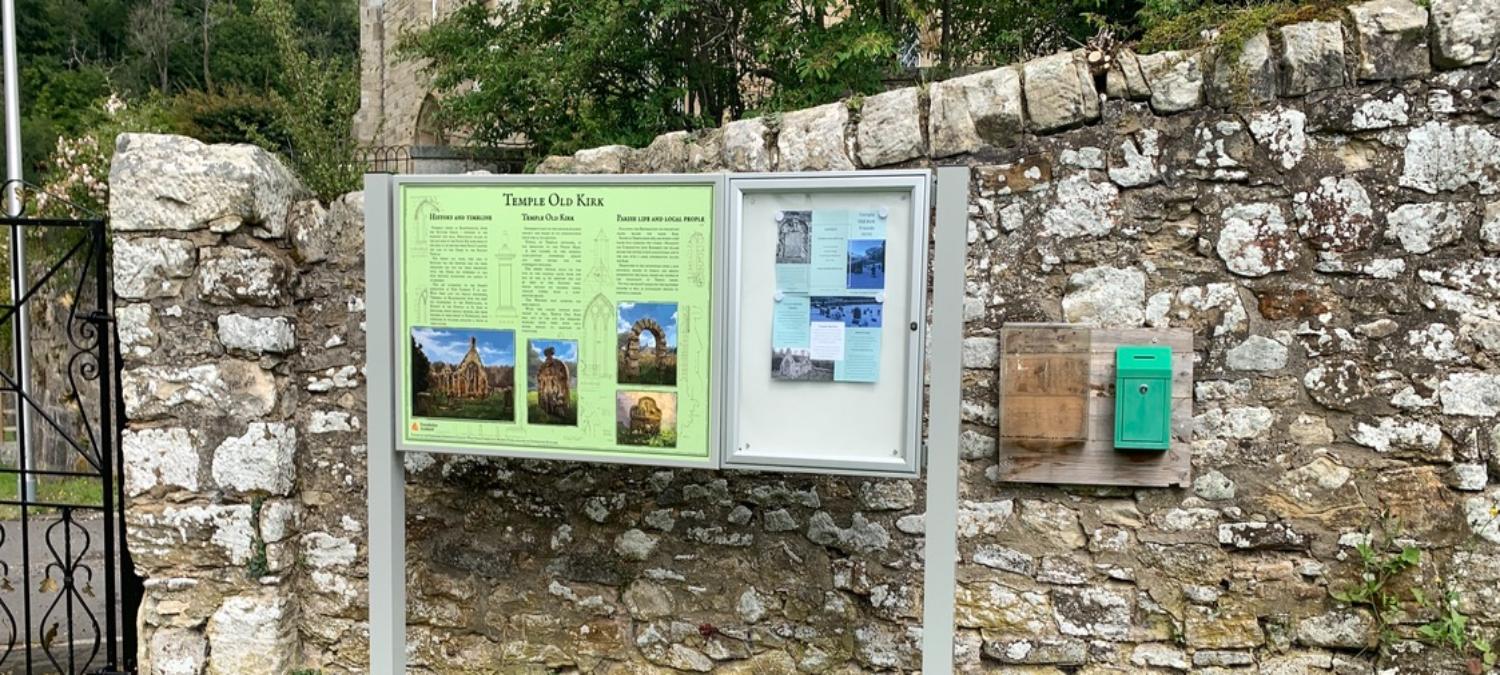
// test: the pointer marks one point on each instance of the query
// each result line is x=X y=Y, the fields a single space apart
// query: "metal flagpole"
x=22 y=329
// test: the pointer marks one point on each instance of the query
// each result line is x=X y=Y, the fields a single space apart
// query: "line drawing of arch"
x=690 y=318
x=633 y=346
x=598 y=339
x=423 y=221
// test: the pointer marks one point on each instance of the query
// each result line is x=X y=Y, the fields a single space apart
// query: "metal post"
x=22 y=328
x=941 y=539
x=387 y=479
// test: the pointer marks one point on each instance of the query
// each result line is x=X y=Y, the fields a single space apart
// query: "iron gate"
x=68 y=596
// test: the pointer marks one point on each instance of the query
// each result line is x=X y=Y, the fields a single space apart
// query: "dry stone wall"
x=1323 y=213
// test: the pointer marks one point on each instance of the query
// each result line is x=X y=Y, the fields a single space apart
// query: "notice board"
x=557 y=317
x=827 y=307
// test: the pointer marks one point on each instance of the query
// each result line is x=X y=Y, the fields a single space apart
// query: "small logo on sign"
x=415 y=426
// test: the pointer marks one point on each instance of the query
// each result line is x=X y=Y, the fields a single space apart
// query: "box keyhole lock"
x=1145 y=388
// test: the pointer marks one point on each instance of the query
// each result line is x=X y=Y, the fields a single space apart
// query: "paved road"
x=50 y=606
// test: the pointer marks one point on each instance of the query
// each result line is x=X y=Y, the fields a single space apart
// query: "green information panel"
x=556 y=319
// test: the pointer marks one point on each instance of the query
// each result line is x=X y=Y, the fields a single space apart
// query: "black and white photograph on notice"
x=853 y=312
x=798 y=364
x=794 y=238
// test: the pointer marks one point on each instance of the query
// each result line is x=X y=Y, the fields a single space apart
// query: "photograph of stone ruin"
x=463 y=374
x=552 y=382
x=798 y=364
x=648 y=343
x=646 y=418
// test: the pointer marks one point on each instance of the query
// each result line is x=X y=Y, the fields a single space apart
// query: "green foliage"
x=1380 y=566
x=574 y=75
x=1188 y=24
x=232 y=115
x=77 y=171
x=258 y=565
x=317 y=108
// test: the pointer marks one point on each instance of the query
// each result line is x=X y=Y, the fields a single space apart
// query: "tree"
x=155 y=28
x=591 y=72
x=317 y=108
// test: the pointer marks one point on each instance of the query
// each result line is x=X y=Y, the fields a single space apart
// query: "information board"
x=557 y=319
x=828 y=312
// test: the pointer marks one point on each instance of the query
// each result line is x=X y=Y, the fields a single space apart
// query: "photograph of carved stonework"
x=794 y=238
x=463 y=373
x=646 y=418
x=647 y=333
x=552 y=382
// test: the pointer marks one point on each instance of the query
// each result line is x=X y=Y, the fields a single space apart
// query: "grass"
x=82 y=490
x=666 y=439
x=535 y=415
x=1229 y=26
x=650 y=372
x=497 y=407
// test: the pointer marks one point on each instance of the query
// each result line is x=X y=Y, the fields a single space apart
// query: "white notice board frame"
x=871 y=429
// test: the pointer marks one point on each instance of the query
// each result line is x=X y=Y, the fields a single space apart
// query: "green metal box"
x=1143 y=398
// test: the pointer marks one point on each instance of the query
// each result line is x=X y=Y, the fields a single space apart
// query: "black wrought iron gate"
x=68 y=595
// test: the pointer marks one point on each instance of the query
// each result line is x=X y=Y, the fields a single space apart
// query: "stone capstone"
x=1125 y=79
x=814 y=139
x=668 y=153
x=1176 y=80
x=151 y=267
x=1106 y=297
x=968 y=112
x=161 y=182
x=1059 y=92
x=159 y=458
x=256 y=336
x=1390 y=39
x=745 y=146
x=252 y=635
x=262 y=460
x=1312 y=57
x=1465 y=32
x=1248 y=78
x=890 y=128
x=607 y=159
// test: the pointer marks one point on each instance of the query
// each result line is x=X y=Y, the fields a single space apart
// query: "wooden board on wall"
x=1094 y=460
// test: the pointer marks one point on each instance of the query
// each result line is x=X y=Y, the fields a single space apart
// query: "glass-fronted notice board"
x=557 y=319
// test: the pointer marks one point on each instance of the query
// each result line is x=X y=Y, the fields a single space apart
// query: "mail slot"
x=1143 y=398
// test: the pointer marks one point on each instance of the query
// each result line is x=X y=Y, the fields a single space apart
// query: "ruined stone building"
x=468 y=379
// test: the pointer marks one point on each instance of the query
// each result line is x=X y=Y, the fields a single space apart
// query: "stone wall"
x=1324 y=214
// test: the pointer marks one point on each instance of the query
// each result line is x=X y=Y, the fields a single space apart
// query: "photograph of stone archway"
x=647 y=343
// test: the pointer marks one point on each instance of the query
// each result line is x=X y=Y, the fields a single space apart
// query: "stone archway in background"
x=633 y=345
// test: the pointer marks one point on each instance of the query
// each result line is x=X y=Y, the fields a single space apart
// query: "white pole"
x=22 y=332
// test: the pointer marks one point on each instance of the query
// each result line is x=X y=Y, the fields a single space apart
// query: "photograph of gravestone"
x=463 y=373
x=552 y=382
x=794 y=238
x=646 y=418
x=853 y=312
x=866 y=263
x=647 y=337
x=798 y=364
